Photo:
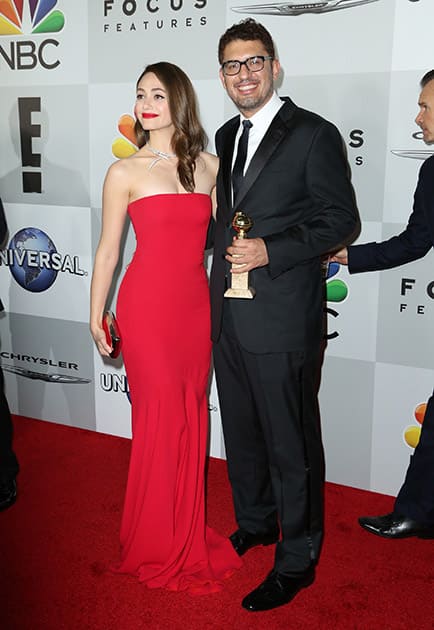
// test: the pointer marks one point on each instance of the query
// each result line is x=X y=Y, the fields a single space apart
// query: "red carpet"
x=64 y=527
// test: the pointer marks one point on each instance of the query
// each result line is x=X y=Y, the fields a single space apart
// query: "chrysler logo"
x=43 y=376
x=414 y=154
x=298 y=7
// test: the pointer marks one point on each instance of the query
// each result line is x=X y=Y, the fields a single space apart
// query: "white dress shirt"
x=260 y=121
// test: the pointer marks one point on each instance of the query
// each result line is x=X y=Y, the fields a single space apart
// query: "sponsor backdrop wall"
x=67 y=75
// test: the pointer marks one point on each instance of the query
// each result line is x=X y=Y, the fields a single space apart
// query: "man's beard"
x=251 y=103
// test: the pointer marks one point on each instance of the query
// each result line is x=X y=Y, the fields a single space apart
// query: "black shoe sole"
x=428 y=535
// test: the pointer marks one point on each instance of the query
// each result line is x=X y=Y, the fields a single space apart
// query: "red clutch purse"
x=112 y=333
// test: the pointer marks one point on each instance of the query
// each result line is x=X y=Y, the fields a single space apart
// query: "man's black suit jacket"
x=298 y=193
x=413 y=243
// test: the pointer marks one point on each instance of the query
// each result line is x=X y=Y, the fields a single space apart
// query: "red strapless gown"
x=164 y=318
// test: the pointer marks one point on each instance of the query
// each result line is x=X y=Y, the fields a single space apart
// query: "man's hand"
x=340 y=257
x=249 y=253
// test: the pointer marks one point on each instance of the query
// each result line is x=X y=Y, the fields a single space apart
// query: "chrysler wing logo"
x=414 y=154
x=298 y=7
x=421 y=154
x=42 y=376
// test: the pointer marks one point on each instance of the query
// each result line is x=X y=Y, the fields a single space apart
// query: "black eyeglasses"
x=254 y=64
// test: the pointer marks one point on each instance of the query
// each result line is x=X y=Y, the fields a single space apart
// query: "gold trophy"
x=240 y=281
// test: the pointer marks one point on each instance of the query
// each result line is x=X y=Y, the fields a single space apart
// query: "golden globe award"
x=240 y=281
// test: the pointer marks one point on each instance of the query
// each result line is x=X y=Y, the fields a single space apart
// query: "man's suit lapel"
x=226 y=160
x=276 y=132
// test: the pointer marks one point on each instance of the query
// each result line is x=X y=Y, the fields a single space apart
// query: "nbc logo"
x=33 y=16
x=30 y=17
x=127 y=145
x=336 y=289
x=412 y=434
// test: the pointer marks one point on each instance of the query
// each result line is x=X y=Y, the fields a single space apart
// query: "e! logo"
x=28 y=131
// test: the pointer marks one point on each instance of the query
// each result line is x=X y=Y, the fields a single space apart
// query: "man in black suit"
x=8 y=460
x=413 y=513
x=295 y=187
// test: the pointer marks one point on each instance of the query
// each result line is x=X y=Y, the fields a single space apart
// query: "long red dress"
x=164 y=318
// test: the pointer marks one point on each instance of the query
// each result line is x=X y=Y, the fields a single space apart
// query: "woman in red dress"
x=167 y=189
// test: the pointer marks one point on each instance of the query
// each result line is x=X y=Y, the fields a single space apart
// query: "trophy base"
x=240 y=285
x=247 y=294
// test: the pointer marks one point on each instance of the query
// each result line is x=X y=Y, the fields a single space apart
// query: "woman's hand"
x=99 y=338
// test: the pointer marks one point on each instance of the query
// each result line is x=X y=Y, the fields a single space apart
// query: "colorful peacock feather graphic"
x=412 y=434
x=127 y=145
x=34 y=16
x=336 y=289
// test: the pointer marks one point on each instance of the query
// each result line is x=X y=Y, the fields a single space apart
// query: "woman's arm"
x=212 y=165
x=115 y=203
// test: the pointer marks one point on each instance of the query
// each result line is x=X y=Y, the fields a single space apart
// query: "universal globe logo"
x=35 y=262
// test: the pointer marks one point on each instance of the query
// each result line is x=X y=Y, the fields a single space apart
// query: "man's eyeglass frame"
x=246 y=63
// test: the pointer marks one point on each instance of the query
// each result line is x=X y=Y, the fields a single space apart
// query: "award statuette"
x=240 y=281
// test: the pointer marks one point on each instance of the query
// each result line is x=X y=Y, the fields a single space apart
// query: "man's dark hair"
x=247 y=30
x=429 y=76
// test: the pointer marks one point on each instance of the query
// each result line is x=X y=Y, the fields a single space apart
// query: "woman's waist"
x=145 y=271
x=166 y=260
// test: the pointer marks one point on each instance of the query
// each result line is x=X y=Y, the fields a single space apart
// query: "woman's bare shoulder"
x=210 y=160
x=125 y=167
x=119 y=168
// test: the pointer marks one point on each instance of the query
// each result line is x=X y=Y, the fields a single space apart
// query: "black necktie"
x=238 y=170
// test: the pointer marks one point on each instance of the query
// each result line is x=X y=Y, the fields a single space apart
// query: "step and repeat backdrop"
x=67 y=76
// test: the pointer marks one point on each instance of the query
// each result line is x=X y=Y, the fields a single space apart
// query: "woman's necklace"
x=160 y=155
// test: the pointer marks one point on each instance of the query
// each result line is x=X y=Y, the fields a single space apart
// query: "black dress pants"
x=273 y=445
x=8 y=461
x=416 y=497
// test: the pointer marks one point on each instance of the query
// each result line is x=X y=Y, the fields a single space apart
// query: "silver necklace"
x=160 y=155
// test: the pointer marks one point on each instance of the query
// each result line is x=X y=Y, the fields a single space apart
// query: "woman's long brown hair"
x=189 y=137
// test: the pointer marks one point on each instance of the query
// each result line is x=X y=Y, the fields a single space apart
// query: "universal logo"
x=414 y=154
x=37 y=18
x=114 y=382
x=126 y=16
x=34 y=261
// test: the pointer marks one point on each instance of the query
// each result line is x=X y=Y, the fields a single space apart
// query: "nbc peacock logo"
x=336 y=289
x=412 y=433
x=34 y=16
x=31 y=18
x=125 y=145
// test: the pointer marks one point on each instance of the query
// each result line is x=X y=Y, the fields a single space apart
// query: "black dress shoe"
x=242 y=540
x=395 y=526
x=8 y=493
x=276 y=590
